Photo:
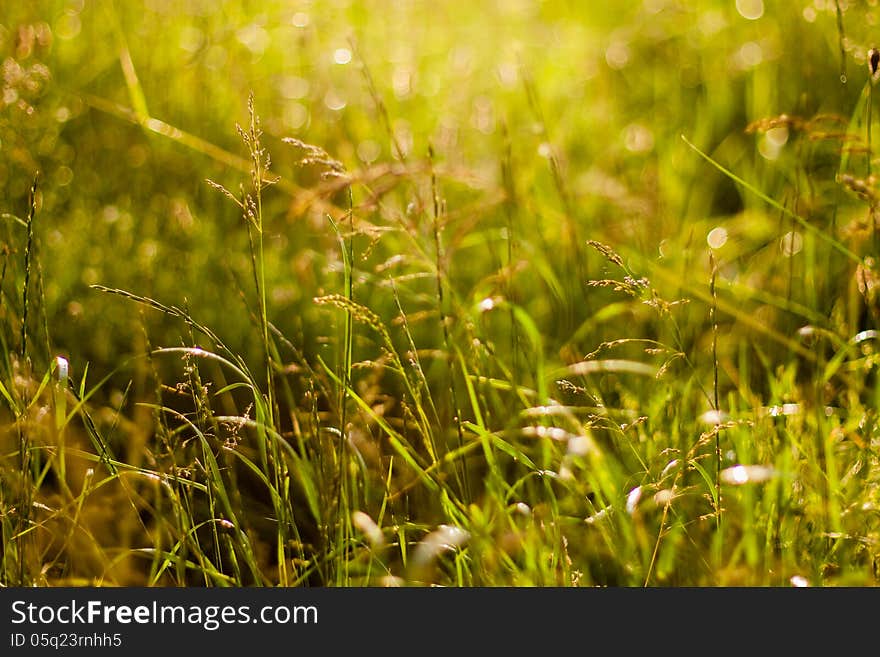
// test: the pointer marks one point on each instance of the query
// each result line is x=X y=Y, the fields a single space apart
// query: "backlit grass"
x=463 y=294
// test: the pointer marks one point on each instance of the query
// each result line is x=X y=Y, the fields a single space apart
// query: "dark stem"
x=438 y=250
x=32 y=211
x=841 y=41
x=713 y=314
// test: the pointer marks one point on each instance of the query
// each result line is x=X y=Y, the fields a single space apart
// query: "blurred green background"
x=128 y=207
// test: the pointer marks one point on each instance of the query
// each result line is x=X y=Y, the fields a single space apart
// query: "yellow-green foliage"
x=493 y=293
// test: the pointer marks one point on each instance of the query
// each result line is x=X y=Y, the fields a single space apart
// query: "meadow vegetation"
x=520 y=293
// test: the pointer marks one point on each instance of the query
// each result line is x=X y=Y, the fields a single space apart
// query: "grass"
x=589 y=298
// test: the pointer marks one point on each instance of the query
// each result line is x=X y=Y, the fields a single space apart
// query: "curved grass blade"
x=775 y=204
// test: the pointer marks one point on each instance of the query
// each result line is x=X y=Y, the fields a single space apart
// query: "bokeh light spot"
x=750 y=9
x=717 y=237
